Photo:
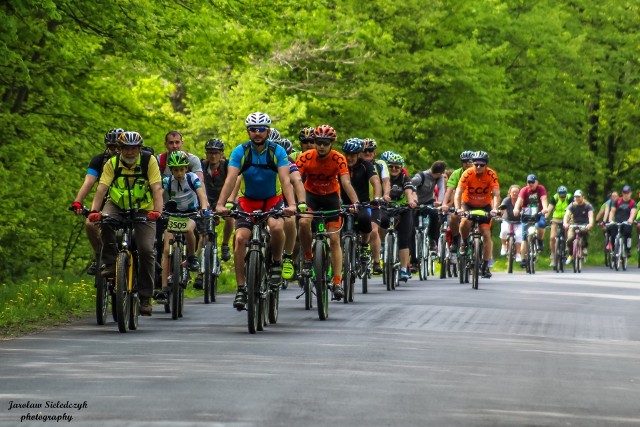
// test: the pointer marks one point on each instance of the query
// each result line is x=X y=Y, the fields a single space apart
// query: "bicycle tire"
x=389 y=261
x=102 y=298
x=365 y=280
x=462 y=266
x=477 y=262
x=320 y=281
x=272 y=298
x=207 y=272
x=616 y=254
x=442 y=256
x=531 y=254
x=511 y=253
x=623 y=259
x=176 y=275
x=112 y=295
x=347 y=278
x=253 y=277
x=355 y=266
x=134 y=313
x=431 y=262
x=308 y=293
x=122 y=291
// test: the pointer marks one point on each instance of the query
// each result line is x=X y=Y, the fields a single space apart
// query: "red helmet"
x=324 y=132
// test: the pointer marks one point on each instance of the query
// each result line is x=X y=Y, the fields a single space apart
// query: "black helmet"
x=111 y=137
x=214 y=144
x=287 y=145
x=306 y=134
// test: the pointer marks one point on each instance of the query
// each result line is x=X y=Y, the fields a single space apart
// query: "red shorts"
x=250 y=205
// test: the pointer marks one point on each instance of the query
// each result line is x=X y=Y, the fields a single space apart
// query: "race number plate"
x=177 y=224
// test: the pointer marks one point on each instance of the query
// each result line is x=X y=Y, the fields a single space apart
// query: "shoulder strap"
x=618 y=202
x=169 y=185
x=191 y=184
x=144 y=165
x=248 y=155
x=162 y=160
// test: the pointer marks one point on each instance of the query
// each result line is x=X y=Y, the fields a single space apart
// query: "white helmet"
x=258 y=119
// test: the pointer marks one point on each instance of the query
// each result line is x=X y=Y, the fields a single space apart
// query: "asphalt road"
x=543 y=350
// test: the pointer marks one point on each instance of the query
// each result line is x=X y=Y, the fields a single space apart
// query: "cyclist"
x=402 y=192
x=324 y=170
x=187 y=191
x=426 y=184
x=306 y=142
x=532 y=197
x=369 y=154
x=605 y=208
x=173 y=142
x=509 y=202
x=94 y=171
x=133 y=181
x=362 y=174
x=478 y=188
x=557 y=207
x=623 y=211
x=578 y=212
x=265 y=171
x=466 y=157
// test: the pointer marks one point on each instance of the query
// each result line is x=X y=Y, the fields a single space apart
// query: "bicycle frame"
x=474 y=262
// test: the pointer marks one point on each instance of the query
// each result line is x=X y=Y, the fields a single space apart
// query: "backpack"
x=141 y=170
x=162 y=161
x=247 y=158
x=632 y=203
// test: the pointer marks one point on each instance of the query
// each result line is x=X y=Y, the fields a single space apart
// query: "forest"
x=547 y=87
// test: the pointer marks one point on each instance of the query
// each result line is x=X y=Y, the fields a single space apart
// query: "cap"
x=532 y=178
x=626 y=189
x=577 y=193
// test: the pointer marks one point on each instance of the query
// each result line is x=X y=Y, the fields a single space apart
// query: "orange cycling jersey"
x=321 y=173
x=477 y=188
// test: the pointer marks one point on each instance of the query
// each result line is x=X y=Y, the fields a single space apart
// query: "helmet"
x=562 y=190
x=385 y=156
x=466 y=156
x=214 y=144
x=353 y=146
x=111 y=137
x=274 y=135
x=306 y=134
x=324 y=132
x=370 y=144
x=130 y=138
x=481 y=156
x=286 y=144
x=395 y=158
x=258 y=119
x=178 y=158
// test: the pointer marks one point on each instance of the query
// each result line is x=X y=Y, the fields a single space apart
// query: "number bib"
x=178 y=224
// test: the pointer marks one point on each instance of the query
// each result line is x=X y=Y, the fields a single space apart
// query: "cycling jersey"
x=532 y=198
x=360 y=173
x=398 y=186
x=381 y=168
x=259 y=182
x=580 y=213
x=477 y=188
x=182 y=191
x=560 y=206
x=96 y=165
x=426 y=186
x=453 y=180
x=321 y=174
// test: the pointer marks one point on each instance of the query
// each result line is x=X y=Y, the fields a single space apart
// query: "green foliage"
x=547 y=87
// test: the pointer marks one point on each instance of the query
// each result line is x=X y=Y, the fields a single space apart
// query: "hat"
x=577 y=193
x=626 y=189
x=532 y=178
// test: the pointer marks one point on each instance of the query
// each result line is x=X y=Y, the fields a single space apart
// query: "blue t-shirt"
x=257 y=182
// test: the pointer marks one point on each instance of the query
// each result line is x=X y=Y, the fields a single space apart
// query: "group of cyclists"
x=267 y=172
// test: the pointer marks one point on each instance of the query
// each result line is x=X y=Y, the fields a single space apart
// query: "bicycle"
x=560 y=255
x=177 y=224
x=578 y=256
x=391 y=260
x=446 y=266
x=209 y=259
x=608 y=246
x=531 y=257
x=305 y=283
x=473 y=260
x=126 y=306
x=619 y=252
x=511 y=244
x=262 y=296
x=426 y=260
x=352 y=264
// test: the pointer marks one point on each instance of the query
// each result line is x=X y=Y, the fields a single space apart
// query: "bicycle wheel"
x=477 y=262
x=102 y=298
x=558 y=256
x=274 y=302
x=320 y=282
x=616 y=253
x=431 y=259
x=112 y=294
x=462 y=266
x=511 y=253
x=356 y=265
x=134 y=313
x=442 y=256
x=531 y=254
x=207 y=272
x=389 y=261
x=623 y=258
x=347 y=282
x=176 y=275
x=253 y=277
x=123 y=301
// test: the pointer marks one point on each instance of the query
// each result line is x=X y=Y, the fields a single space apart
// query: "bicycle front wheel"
x=442 y=256
x=421 y=256
x=207 y=273
x=176 y=275
x=477 y=261
x=320 y=269
x=123 y=301
x=389 y=262
x=102 y=299
x=511 y=253
x=253 y=277
x=347 y=278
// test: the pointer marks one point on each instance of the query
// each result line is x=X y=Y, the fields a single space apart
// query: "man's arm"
x=457 y=199
x=101 y=191
x=632 y=217
x=345 y=180
x=377 y=188
x=156 y=192
x=285 y=184
x=612 y=213
x=517 y=206
x=87 y=185
x=545 y=205
x=229 y=183
x=590 y=214
x=496 y=198
x=298 y=186
x=386 y=189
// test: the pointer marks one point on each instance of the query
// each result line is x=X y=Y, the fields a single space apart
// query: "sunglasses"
x=479 y=165
x=394 y=166
x=323 y=143
x=257 y=128
x=467 y=161
x=306 y=142
x=369 y=150
x=531 y=182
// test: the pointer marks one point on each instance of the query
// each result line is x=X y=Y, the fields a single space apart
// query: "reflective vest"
x=130 y=188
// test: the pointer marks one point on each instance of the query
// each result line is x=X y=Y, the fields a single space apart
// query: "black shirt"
x=213 y=181
x=623 y=209
x=360 y=174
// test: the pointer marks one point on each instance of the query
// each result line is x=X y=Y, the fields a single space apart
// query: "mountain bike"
x=426 y=259
x=473 y=259
x=353 y=266
x=619 y=253
x=391 y=260
x=578 y=255
x=560 y=255
x=178 y=224
x=529 y=220
x=209 y=259
x=263 y=297
x=305 y=283
x=126 y=302
x=447 y=268
x=608 y=246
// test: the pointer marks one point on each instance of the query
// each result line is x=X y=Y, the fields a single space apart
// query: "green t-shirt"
x=560 y=206
x=452 y=182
